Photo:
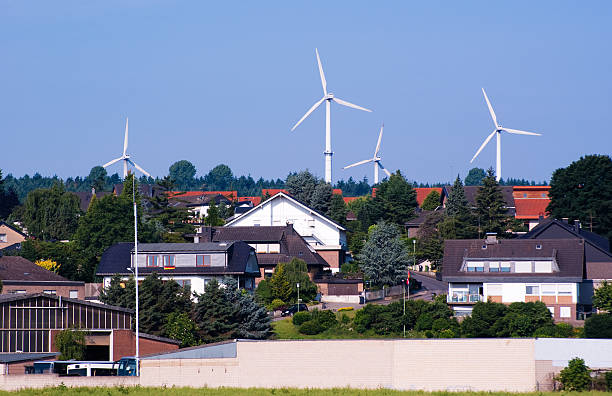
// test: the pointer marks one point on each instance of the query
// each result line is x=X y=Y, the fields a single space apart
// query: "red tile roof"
x=423 y=192
x=337 y=191
x=531 y=208
x=521 y=192
x=349 y=199
x=273 y=191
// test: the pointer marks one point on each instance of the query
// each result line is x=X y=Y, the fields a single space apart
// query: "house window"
x=262 y=248
x=565 y=312
x=475 y=267
x=74 y=294
x=552 y=311
x=16 y=292
x=3 y=238
x=203 y=260
x=311 y=223
x=168 y=261
x=522 y=266
x=504 y=267
x=543 y=195
x=49 y=292
x=152 y=261
x=565 y=290
x=524 y=195
x=183 y=282
x=543 y=266
x=532 y=290
x=493 y=267
x=274 y=248
x=549 y=290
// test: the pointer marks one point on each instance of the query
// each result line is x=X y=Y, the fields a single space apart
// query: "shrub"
x=71 y=344
x=325 y=318
x=301 y=317
x=345 y=309
x=575 y=377
x=608 y=377
x=424 y=322
x=311 y=327
x=345 y=320
x=598 y=326
x=276 y=304
x=560 y=330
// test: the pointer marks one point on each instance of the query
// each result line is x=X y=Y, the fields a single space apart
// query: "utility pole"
x=136 y=271
x=298 y=299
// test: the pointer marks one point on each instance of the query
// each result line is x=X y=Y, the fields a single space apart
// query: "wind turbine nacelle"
x=329 y=96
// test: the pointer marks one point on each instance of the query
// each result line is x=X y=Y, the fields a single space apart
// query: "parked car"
x=293 y=309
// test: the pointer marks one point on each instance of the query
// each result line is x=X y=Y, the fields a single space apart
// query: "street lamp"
x=136 y=270
x=298 y=299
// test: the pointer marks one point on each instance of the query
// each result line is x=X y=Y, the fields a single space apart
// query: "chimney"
x=206 y=234
x=93 y=191
x=491 y=238
x=577 y=225
x=565 y=220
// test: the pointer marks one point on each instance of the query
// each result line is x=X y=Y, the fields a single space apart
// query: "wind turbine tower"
x=497 y=132
x=328 y=97
x=126 y=157
x=376 y=159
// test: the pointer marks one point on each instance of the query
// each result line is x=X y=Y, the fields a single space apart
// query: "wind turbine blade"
x=516 y=131
x=483 y=145
x=308 y=113
x=139 y=168
x=348 y=104
x=379 y=140
x=125 y=141
x=384 y=169
x=112 y=162
x=490 y=108
x=323 y=81
x=358 y=163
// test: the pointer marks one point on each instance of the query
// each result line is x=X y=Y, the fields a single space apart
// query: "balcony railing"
x=459 y=297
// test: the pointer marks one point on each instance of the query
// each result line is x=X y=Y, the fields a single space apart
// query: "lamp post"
x=414 y=254
x=298 y=299
x=136 y=271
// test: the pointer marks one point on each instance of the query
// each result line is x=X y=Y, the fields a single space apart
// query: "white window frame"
x=520 y=267
x=73 y=293
x=565 y=312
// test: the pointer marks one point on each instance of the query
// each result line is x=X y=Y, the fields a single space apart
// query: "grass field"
x=139 y=391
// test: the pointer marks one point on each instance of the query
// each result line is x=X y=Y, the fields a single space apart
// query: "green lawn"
x=140 y=391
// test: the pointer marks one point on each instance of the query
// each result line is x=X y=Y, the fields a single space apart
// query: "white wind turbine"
x=376 y=159
x=126 y=157
x=497 y=131
x=328 y=97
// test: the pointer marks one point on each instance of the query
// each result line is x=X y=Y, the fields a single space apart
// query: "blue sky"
x=223 y=82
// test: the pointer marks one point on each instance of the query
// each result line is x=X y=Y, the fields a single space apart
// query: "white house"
x=324 y=235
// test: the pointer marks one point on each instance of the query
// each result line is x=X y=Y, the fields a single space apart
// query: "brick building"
x=21 y=276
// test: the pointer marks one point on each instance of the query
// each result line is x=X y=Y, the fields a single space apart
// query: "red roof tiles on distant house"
x=531 y=208
x=255 y=200
x=337 y=191
x=423 y=192
x=349 y=199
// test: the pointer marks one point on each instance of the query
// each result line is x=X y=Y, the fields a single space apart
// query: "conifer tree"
x=457 y=204
x=432 y=201
x=213 y=218
x=279 y=283
x=252 y=319
x=490 y=206
x=337 y=210
x=215 y=315
x=384 y=258
x=321 y=197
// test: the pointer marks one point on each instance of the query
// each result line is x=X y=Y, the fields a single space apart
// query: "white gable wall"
x=280 y=211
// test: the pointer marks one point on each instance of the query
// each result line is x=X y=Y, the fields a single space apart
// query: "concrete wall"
x=495 y=364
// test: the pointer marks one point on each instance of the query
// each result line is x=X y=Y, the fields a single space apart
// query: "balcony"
x=459 y=297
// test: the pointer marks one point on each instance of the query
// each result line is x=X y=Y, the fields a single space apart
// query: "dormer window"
x=484 y=247
x=539 y=247
x=203 y=260
x=152 y=261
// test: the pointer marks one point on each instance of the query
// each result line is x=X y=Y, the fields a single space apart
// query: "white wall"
x=513 y=292
x=281 y=211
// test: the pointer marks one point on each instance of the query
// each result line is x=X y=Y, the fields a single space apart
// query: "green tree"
x=64 y=254
x=429 y=241
x=213 y=218
x=302 y=186
x=583 y=191
x=51 y=213
x=598 y=326
x=296 y=271
x=480 y=324
x=220 y=178
x=398 y=199
x=8 y=199
x=523 y=319
x=461 y=222
x=337 y=210
x=183 y=173
x=475 y=177
x=602 y=298
x=280 y=285
x=121 y=292
x=432 y=201
x=253 y=321
x=490 y=206
x=215 y=314
x=384 y=257
x=174 y=220
x=97 y=178
x=179 y=326
x=576 y=376
x=321 y=198
x=71 y=344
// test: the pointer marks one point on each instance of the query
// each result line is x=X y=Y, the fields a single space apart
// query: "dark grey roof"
x=26 y=357
x=553 y=229
x=19 y=269
x=198 y=200
x=420 y=219
x=569 y=254
x=184 y=247
x=117 y=259
x=86 y=196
